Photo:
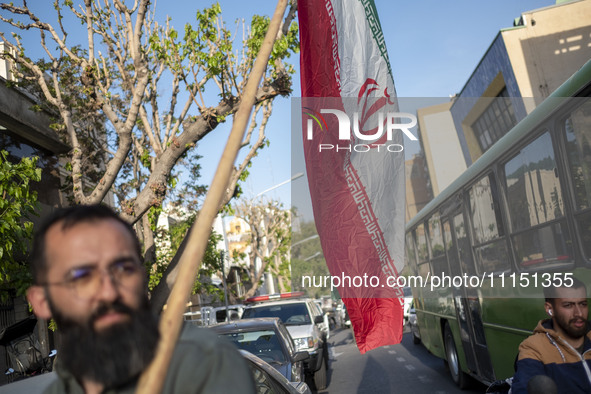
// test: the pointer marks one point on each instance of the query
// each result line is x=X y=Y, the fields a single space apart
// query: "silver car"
x=269 y=340
x=268 y=380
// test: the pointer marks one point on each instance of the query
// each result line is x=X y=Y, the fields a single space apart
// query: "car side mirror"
x=319 y=319
x=300 y=356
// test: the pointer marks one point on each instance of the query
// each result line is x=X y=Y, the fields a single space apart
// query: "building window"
x=496 y=120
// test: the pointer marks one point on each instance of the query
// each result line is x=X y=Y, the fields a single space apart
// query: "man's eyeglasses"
x=86 y=281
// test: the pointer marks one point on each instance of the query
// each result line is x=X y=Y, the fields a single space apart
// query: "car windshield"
x=290 y=314
x=263 y=344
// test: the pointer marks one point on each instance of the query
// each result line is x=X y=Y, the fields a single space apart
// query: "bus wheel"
x=459 y=377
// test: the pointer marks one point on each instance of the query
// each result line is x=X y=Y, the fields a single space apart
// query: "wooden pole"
x=152 y=379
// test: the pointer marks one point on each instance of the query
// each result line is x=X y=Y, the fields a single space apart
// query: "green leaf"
x=19 y=203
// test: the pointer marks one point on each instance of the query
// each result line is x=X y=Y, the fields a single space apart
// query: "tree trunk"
x=149 y=245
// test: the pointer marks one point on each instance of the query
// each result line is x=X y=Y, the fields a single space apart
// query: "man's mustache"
x=116 y=306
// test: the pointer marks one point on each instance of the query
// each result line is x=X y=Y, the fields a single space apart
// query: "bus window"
x=435 y=236
x=438 y=260
x=422 y=251
x=490 y=247
x=411 y=257
x=578 y=146
x=536 y=208
x=452 y=254
x=421 y=242
x=463 y=246
x=447 y=236
x=584 y=223
x=424 y=270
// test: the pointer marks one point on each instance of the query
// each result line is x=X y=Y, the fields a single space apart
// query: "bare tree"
x=270 y=236
x=108 y=95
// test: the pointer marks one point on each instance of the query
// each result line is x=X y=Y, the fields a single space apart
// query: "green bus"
x=516 y=220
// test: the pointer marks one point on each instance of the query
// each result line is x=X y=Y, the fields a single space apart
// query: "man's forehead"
x=65 y=226
x=571 y=293
x=85 y=232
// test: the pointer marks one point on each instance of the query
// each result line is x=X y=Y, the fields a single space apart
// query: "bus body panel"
x=507 y=307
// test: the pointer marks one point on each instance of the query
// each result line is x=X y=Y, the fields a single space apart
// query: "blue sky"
x=433 y=47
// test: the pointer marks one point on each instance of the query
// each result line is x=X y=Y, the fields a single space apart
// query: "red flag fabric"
x=354 y=161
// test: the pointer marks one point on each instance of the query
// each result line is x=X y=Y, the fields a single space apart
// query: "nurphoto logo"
x=371 y=127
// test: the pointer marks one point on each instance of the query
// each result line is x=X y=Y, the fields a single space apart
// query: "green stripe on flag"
x=371 y=14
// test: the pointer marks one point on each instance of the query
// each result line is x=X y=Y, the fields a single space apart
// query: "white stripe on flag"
x=357 y=195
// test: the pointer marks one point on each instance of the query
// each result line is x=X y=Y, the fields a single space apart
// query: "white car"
x=304 y=321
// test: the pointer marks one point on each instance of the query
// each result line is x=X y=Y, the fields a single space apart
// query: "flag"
x=353 y=147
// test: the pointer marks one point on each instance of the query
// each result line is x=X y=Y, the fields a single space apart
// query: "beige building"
x=523 y=65
x=548 y=46
x=238 y=233
x=441 y=146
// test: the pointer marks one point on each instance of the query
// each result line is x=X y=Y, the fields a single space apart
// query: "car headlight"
x=303 y=343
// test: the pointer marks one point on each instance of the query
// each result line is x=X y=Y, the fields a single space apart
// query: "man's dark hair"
x=551 y=292
x=69 y=217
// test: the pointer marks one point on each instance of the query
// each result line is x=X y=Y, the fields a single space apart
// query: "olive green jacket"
x=201 y=363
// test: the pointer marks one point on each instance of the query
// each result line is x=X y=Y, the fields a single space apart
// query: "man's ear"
x=38 y=299
x=548 y=307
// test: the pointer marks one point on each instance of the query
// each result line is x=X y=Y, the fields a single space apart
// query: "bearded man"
x=557 y=357
x=88 y=276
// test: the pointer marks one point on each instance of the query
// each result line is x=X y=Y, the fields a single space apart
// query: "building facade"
x=522 y=66
x=26 y=133
x=441 y=146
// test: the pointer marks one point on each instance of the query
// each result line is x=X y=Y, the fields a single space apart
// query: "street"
x=399 y=368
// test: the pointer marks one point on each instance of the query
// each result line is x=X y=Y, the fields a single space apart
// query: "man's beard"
x=113 y=356
x=571 y=330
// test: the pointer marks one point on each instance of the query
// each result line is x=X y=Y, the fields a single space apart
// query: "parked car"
x=268 y=339
x=328 y=307
x=346 y=320
x=407 y=291
x=412 y=322
x=208 y=315
x=304 y=321
x=268 y=380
